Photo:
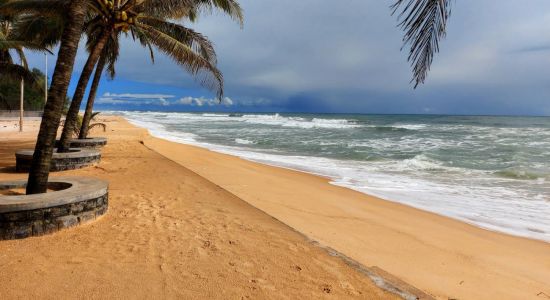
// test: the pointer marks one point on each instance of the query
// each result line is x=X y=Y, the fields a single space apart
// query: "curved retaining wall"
x=76 y=159
x=94 y=142
x=23 y=216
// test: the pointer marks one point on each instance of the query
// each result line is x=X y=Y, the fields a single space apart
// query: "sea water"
x=493 y=172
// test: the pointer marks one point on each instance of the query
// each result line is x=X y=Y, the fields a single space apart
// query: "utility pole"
x=21 y=100
x=46 y=80
x=22 y=97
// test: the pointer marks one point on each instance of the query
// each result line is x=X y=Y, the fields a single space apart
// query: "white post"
x=46 y=80
x=21 y=105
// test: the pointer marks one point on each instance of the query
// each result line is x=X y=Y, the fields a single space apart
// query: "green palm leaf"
x=39 y=7
x=204 y=71
x=198 y=42
x=17 y=72
x=424 y=23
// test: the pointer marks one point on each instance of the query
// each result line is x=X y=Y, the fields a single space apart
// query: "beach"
x=188 y=222
x=168 y=234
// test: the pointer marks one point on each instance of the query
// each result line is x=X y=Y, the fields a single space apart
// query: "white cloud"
x=136 y=99
x=138 y=96
x=202 y=101
x=160 y=99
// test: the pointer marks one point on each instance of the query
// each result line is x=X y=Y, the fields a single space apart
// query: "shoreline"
x=168 y=234
x=449 y=248
x=334 y=181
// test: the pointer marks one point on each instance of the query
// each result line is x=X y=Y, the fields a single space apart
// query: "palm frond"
x=163 y=8
x=177 y=9
x=144 y=40
x=43 y=31
x=424 y=23
x=22 y=57
x=231 y=8
x=102 y=125
x=14 y=45
x=38 y=7
x=198 y=42
x=17 y=72
x=112 y=51
x=205 y=72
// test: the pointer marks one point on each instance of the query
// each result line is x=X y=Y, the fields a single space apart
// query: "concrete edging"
x=93 y=142
x=76 y=159
x=82 y=200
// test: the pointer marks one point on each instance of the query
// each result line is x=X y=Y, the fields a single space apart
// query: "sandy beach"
x=168 y=234
x=186 y=222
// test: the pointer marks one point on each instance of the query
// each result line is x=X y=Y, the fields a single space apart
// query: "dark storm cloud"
x=344 y=56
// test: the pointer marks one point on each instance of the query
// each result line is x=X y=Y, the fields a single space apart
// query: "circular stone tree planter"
x=93 y=142
x=75 y=159
x=73 y=201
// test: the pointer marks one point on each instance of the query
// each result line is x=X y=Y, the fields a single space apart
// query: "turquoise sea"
x=493 y=172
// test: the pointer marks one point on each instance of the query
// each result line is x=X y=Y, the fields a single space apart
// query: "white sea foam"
x=263 y=119
x=244 y=142
x=419 y=181
x=410 y=126
x=298 y=122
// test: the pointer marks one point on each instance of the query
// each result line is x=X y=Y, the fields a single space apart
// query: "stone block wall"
x=22 y=224
x=23 y=162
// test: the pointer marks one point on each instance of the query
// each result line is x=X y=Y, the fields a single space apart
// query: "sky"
x=345 y=57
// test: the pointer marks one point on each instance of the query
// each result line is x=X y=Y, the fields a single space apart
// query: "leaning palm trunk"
x=40 y=167
x=91 y=97
x=72 y=114
x=21 y=100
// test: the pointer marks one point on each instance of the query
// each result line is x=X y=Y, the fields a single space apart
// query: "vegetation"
x=424 y=23
x=76 y=131
x=10 y=91
x=13 y=75
x=38 y=24
x=146 y=22
x=188 y=48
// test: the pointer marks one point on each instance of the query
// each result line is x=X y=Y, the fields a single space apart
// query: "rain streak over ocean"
x=493 y=172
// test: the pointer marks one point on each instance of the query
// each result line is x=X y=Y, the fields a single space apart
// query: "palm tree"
x=73 y=16
x=191 y=39
x=189 y=49
x=424 y=23
x=12 y=40
x=83 y=133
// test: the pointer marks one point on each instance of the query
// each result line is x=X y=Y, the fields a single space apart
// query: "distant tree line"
x=10 y=93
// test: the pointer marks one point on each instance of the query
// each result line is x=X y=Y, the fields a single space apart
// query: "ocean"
x=492 y=172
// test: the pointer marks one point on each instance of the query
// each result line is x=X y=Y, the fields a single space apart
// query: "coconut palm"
x=83 y=132
x=189 y=49
x=424 y=23
x=73 y=14
x=9 y=42
x=191 y=39
x=12 y=41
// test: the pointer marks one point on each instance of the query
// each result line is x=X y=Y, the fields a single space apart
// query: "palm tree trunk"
x=21 y=100
x=40 y=167
x=91 y=98
x=72 y=114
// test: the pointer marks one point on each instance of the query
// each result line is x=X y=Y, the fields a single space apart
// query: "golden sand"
x=168 y=234
x=178 y=227
x=446 y=258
